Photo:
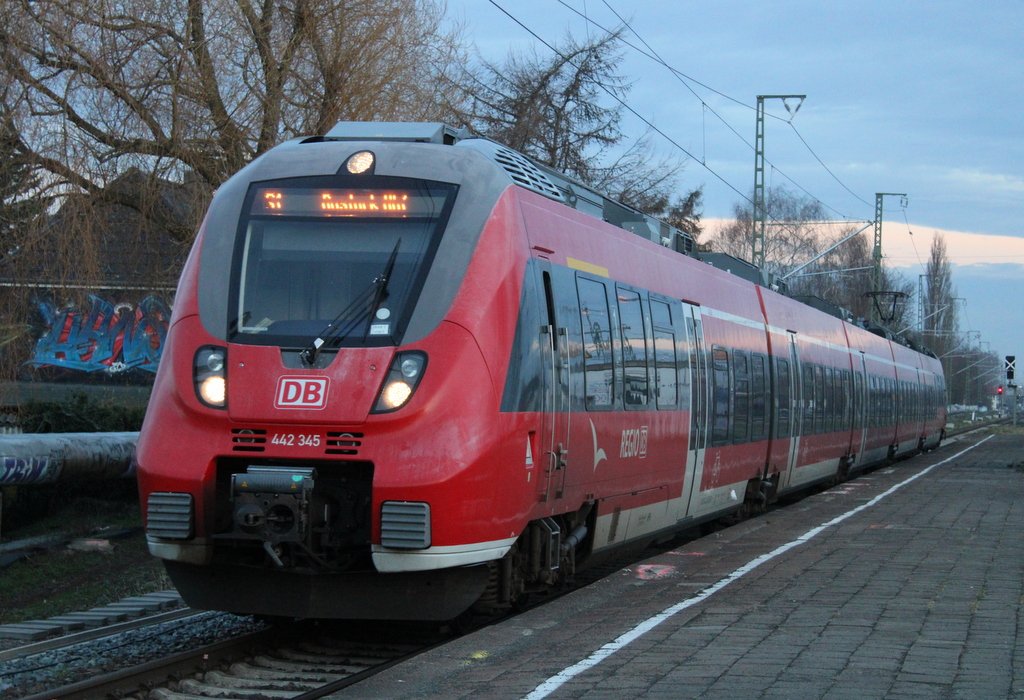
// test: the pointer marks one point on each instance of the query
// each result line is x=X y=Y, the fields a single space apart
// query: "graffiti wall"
x=113 y=338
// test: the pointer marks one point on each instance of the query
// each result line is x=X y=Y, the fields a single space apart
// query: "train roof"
x=537 y=177
x=525 y=172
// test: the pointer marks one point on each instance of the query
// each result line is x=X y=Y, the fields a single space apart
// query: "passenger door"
x=792 y=395
x=698 y=383
x=860 y=417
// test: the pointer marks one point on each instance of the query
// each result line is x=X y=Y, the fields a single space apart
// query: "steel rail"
x=69 y=640
x=129 y=680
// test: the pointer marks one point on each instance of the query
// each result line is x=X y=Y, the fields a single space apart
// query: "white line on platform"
x=552 y=684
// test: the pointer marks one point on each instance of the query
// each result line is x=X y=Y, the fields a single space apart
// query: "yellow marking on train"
x=586 y=267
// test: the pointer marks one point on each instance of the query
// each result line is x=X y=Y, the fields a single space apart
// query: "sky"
x=922 y=98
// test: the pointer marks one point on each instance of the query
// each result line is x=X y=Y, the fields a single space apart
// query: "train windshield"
x=313 y=256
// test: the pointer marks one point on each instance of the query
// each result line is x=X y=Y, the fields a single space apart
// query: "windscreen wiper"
x=382 y=288
x=346 y=321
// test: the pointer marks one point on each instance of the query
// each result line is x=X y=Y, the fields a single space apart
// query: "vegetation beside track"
x=54 y=579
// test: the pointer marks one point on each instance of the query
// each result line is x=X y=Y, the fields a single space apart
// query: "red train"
x=408 y=374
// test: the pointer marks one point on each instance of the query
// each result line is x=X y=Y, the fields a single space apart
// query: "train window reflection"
x=665 y=360
x=297 y=273
x=634 y=349
x=598 y=369
x=720 y=395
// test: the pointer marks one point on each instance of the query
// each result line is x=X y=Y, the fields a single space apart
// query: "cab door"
x=554 y=439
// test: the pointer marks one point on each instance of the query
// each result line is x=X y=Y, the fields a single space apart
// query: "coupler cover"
x=272 y=503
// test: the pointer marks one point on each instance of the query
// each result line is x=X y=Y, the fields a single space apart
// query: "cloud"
x=977 y=180
x=906 y=248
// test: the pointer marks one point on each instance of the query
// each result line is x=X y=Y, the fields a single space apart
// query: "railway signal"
x=1011 y=364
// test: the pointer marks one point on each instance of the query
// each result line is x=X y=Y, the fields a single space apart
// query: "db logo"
x=301 y=392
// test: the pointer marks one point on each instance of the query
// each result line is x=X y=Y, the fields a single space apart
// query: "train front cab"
x=347 y=465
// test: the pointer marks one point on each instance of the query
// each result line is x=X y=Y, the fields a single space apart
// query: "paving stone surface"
x=917 y=596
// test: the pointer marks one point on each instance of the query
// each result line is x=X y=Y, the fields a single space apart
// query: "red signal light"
x=999 y=390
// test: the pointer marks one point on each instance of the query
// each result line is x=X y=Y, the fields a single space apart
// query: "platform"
x=906 y=582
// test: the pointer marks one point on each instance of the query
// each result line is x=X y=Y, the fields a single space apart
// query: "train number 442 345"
x=293 y=439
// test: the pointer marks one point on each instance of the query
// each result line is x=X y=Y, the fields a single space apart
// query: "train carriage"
x=410 y=374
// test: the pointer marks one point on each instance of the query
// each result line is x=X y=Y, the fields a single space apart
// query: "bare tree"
x=798 y=231
x=687 y=212
x=205 y=86
x=553 y=108
x=550 y=108
x=793 y=233
x=121 y=117
x=940 y=323
x=18 y=180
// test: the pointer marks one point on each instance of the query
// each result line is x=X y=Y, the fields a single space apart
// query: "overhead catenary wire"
x=624 y=104
x=911 y=234
x=822 y=163
x=653 y=55
x=650 y=124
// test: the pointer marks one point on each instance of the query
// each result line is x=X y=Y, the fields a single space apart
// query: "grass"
x=60 y=580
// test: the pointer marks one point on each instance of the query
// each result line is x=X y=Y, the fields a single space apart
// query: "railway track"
x=304 y=660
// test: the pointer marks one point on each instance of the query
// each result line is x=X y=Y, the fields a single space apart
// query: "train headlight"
x=359 y=162
x=396 y=394
x=209 y=375
x=401 y=381
x=213 y=391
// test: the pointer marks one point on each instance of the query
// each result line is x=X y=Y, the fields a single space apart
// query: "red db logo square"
x=301 y=392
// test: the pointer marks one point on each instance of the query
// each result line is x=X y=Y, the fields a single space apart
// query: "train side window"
x=758 y=398
x=837 y=395
x=830 y=400
x=819 y=399
x=847 y=400
x=741 y=396
x=785 y=397
x=684 y=352
x=883 y=417
x=858 y=400
x=666 y=355
x=873 y=402
x=808 y=428
x=598 y=366
x=886 y=401
x=665 y=363
x=661 y=314
x=720 y=392
x=634 y=349
x=838 y=398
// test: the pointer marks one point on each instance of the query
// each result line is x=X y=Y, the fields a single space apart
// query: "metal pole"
x=757 y=243
x=877 y=252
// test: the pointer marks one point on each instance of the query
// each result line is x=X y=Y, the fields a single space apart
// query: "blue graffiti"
x=111 y=338
x=34 y=470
